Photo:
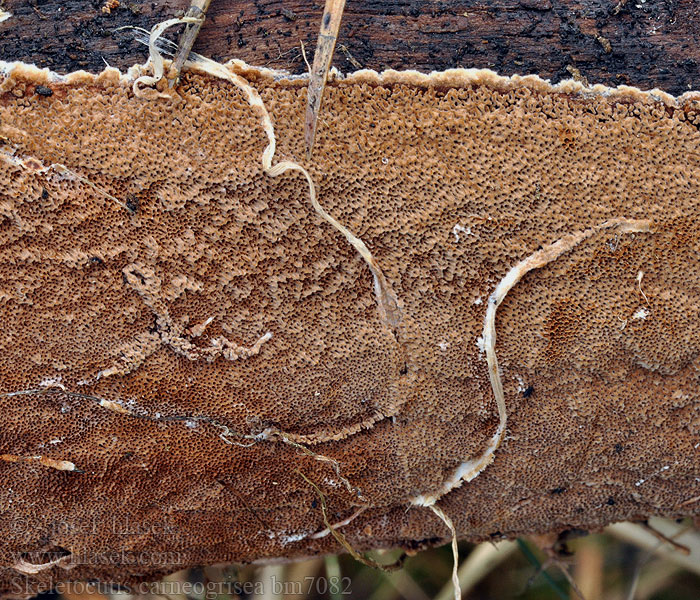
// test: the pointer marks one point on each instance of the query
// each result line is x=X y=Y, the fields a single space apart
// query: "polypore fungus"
x=189 y=325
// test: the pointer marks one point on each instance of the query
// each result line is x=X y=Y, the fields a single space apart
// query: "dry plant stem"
x=470 y=469
x=564 y=570
x=59 y=465
x=197 y=10
x=340 y=538
x=664 y=538
x=589 y=569
x=330 y=25
x=642 y=538
x=225 y=435
x=455 y=551
x=482 y=560
x=156 y=59
x=321 y=458
x=343 y=523
x=389 y=310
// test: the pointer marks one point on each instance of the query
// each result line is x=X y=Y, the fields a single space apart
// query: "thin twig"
x=197 y=10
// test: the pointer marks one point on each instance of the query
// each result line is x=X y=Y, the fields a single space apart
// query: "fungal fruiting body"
x=209 y=329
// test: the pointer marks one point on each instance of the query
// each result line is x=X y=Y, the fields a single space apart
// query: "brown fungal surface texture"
x=189 y=335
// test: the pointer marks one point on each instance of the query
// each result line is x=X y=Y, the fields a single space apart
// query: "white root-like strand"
x=468 y=470
x=156 y=58
x=455 y=551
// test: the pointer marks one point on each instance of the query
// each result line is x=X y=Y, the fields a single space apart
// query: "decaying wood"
x=645 y=44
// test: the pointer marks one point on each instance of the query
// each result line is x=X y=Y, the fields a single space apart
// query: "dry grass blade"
x=664 y=538
x=589 y=569
x=330 y=25
x=340 y=538
x=480 y=562
x=197 y=10
x=638 y=536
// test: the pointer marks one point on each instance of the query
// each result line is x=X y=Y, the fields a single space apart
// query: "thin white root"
x=306 y=60
x=156 y=58
x=335 y=465
x=389 y=310
x=455 y=551
x=470 y=469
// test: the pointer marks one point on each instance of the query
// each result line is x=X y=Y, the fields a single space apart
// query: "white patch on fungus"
x=642 y=314
x=114 y=406
x=291 y=538
x=28 y=568
x=59 y=465
x=640 y=275
x=51 y=382
x=457 y=229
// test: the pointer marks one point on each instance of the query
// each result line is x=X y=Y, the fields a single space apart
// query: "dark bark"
x=646 y=44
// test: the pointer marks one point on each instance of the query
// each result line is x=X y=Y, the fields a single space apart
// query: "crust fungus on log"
x=198 y=344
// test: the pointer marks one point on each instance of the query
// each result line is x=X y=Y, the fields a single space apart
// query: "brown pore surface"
x=137 y=278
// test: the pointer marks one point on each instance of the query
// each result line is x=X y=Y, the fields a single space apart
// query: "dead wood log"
x=643 y=44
